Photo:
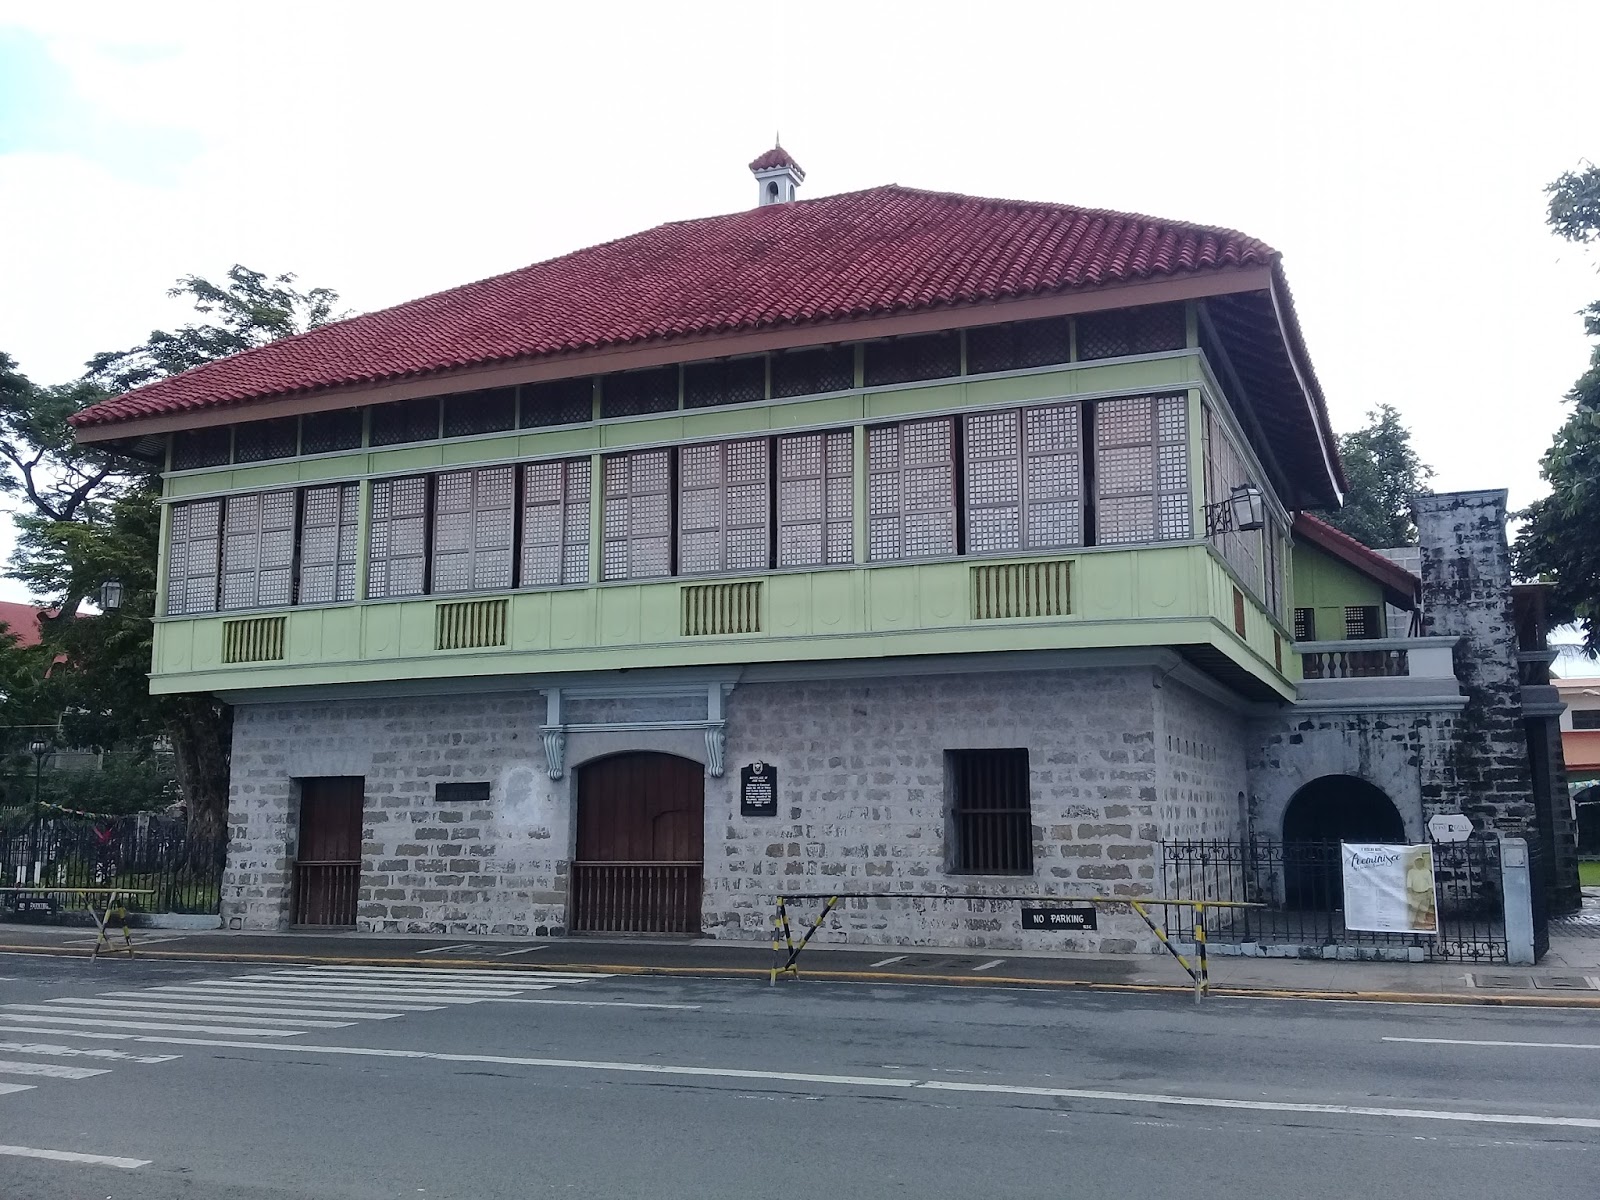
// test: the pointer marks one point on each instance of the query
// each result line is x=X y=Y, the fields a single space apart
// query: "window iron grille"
x=635 y=393
x=558 y=402
x=406 y=421
x=989 y=826
x=811 y=372
x=491 y=411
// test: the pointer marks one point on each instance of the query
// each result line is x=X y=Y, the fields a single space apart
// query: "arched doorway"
x=640 y=847
x=1323 y=813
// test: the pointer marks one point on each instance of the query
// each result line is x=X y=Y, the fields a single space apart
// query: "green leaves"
x=1384 y=474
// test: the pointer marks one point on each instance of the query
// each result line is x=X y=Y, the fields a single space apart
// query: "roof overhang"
x=1400 y=587
x=1222 y=282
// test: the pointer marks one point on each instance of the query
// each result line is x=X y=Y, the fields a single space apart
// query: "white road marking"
x=993 y=962
x=50 y=1070
x=194 y=1004
x=524 y=950
x=1513 y=1045
x=160 y=1012
x=72 y=1156
x=880 y=1081
x=201 y=991
x=409 y=973
x=81 y=1052
x=7 y=1088
x=443 y=949
x=593 y=1003
x=57 y=1032
x=430 y=992
x=884 y=962
x=507 y=981
x=307 y=993
x=108 y=1023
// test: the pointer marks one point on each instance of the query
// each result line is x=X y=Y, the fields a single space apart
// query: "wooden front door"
x=327 y=869
x=641 y=845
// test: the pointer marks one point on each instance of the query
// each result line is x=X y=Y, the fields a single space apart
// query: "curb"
x=1481 y=1000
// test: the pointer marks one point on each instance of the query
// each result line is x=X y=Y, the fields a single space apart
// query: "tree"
x=1384 y=473
x=1560 y=538
x=91 y=516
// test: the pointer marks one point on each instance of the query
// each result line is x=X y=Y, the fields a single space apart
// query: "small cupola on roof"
x=777 y=175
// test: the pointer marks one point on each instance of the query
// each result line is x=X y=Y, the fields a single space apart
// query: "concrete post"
x=1518 y=891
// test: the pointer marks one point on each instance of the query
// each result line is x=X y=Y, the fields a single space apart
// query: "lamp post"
x=111 y=595
x=40 y=749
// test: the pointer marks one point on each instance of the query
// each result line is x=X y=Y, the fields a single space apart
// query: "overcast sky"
x=1395 y=154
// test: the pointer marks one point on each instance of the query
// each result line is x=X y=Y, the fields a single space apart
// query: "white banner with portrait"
x=1389 y=889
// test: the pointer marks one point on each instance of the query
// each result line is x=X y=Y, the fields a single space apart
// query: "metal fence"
x=135 y=852
x=1301 y=886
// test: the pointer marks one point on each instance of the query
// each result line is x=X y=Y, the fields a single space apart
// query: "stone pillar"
x=1466 y=591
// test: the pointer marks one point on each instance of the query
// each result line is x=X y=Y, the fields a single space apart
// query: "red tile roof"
x=883 y=251
x=1401 y=587
x=22 y=620
x=777 y=157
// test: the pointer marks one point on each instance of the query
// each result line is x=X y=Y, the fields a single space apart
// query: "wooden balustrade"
x=635 y=897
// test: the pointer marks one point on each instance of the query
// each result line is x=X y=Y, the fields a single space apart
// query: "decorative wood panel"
x=1030 y=589
x=253 y=639
x=721 y=608
x=470 y=624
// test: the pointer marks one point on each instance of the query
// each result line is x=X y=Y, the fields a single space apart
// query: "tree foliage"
x=1560 y=538
x=90 y=516
x=1384 y=473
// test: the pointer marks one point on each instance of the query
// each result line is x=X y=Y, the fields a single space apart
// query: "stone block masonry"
x=1116 y=764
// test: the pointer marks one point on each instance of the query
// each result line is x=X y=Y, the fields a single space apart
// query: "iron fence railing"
x=155 y=854
x=1301 y=888
x=635 y=897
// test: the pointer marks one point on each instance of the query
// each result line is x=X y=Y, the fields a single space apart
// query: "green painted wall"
x=1323 y=583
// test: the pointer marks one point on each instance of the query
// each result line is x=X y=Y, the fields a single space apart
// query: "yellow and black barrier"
x=112 y=902
x=786 y=948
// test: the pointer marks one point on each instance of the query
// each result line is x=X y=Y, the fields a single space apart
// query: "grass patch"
x=1589 y=872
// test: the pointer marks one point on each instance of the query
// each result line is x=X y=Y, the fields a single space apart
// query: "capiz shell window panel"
x=328 y=544
x=816 y=499
x=724 y=507
x=474 y=520
x=193 y=545
x=397 y=540
x=911 y=490
x=636 y=516
x=1024 y=477
x=258 y=550
x=1142 y=470
x=555 y=523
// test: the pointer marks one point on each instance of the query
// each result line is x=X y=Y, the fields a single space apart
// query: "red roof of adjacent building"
x=777 y=157
x=1401 y=587
x=884 y=251
x=22 y=620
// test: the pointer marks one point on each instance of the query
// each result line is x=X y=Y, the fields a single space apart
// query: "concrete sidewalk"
x=1569 y=975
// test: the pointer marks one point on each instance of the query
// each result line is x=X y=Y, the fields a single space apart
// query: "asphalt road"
x=227 y=1082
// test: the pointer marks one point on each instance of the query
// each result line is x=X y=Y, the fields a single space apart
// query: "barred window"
x=634 y=393
x=911 y=490
x=406 y=421
x=989 y=820
x=201 y=448
x=555 y=523
x=397 y=538
x=724 y=507
x=1586 y=718
x=636 y=516
x=258 y=550
x=1142 y=470
x=816 y=499
x=1132 y=331
x=1305 y=624
x=328 y=544
x=259 y=440
x=474 y=518
x=193 y=557
x=1225 y=469
x=809 y=372
x=323 y=433
x=1362 y=621
x=1024 y=479
x=559 y=402
x=725 y=381
x=1018 y=345
x=490 y=411
x=907 y=359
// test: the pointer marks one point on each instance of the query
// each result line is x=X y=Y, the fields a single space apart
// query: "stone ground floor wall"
x=1118 y=760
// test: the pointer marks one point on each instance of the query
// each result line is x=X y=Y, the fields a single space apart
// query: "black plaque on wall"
x=758 y=790
x=461 y=793
x=1058 y=918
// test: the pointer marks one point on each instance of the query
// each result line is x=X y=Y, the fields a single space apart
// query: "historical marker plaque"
x=1064 y=919
x=758 y=790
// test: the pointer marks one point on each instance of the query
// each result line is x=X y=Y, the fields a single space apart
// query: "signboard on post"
x=1389 y=889
x=1449 y=827
x=1065 y=919
x=758 y=790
